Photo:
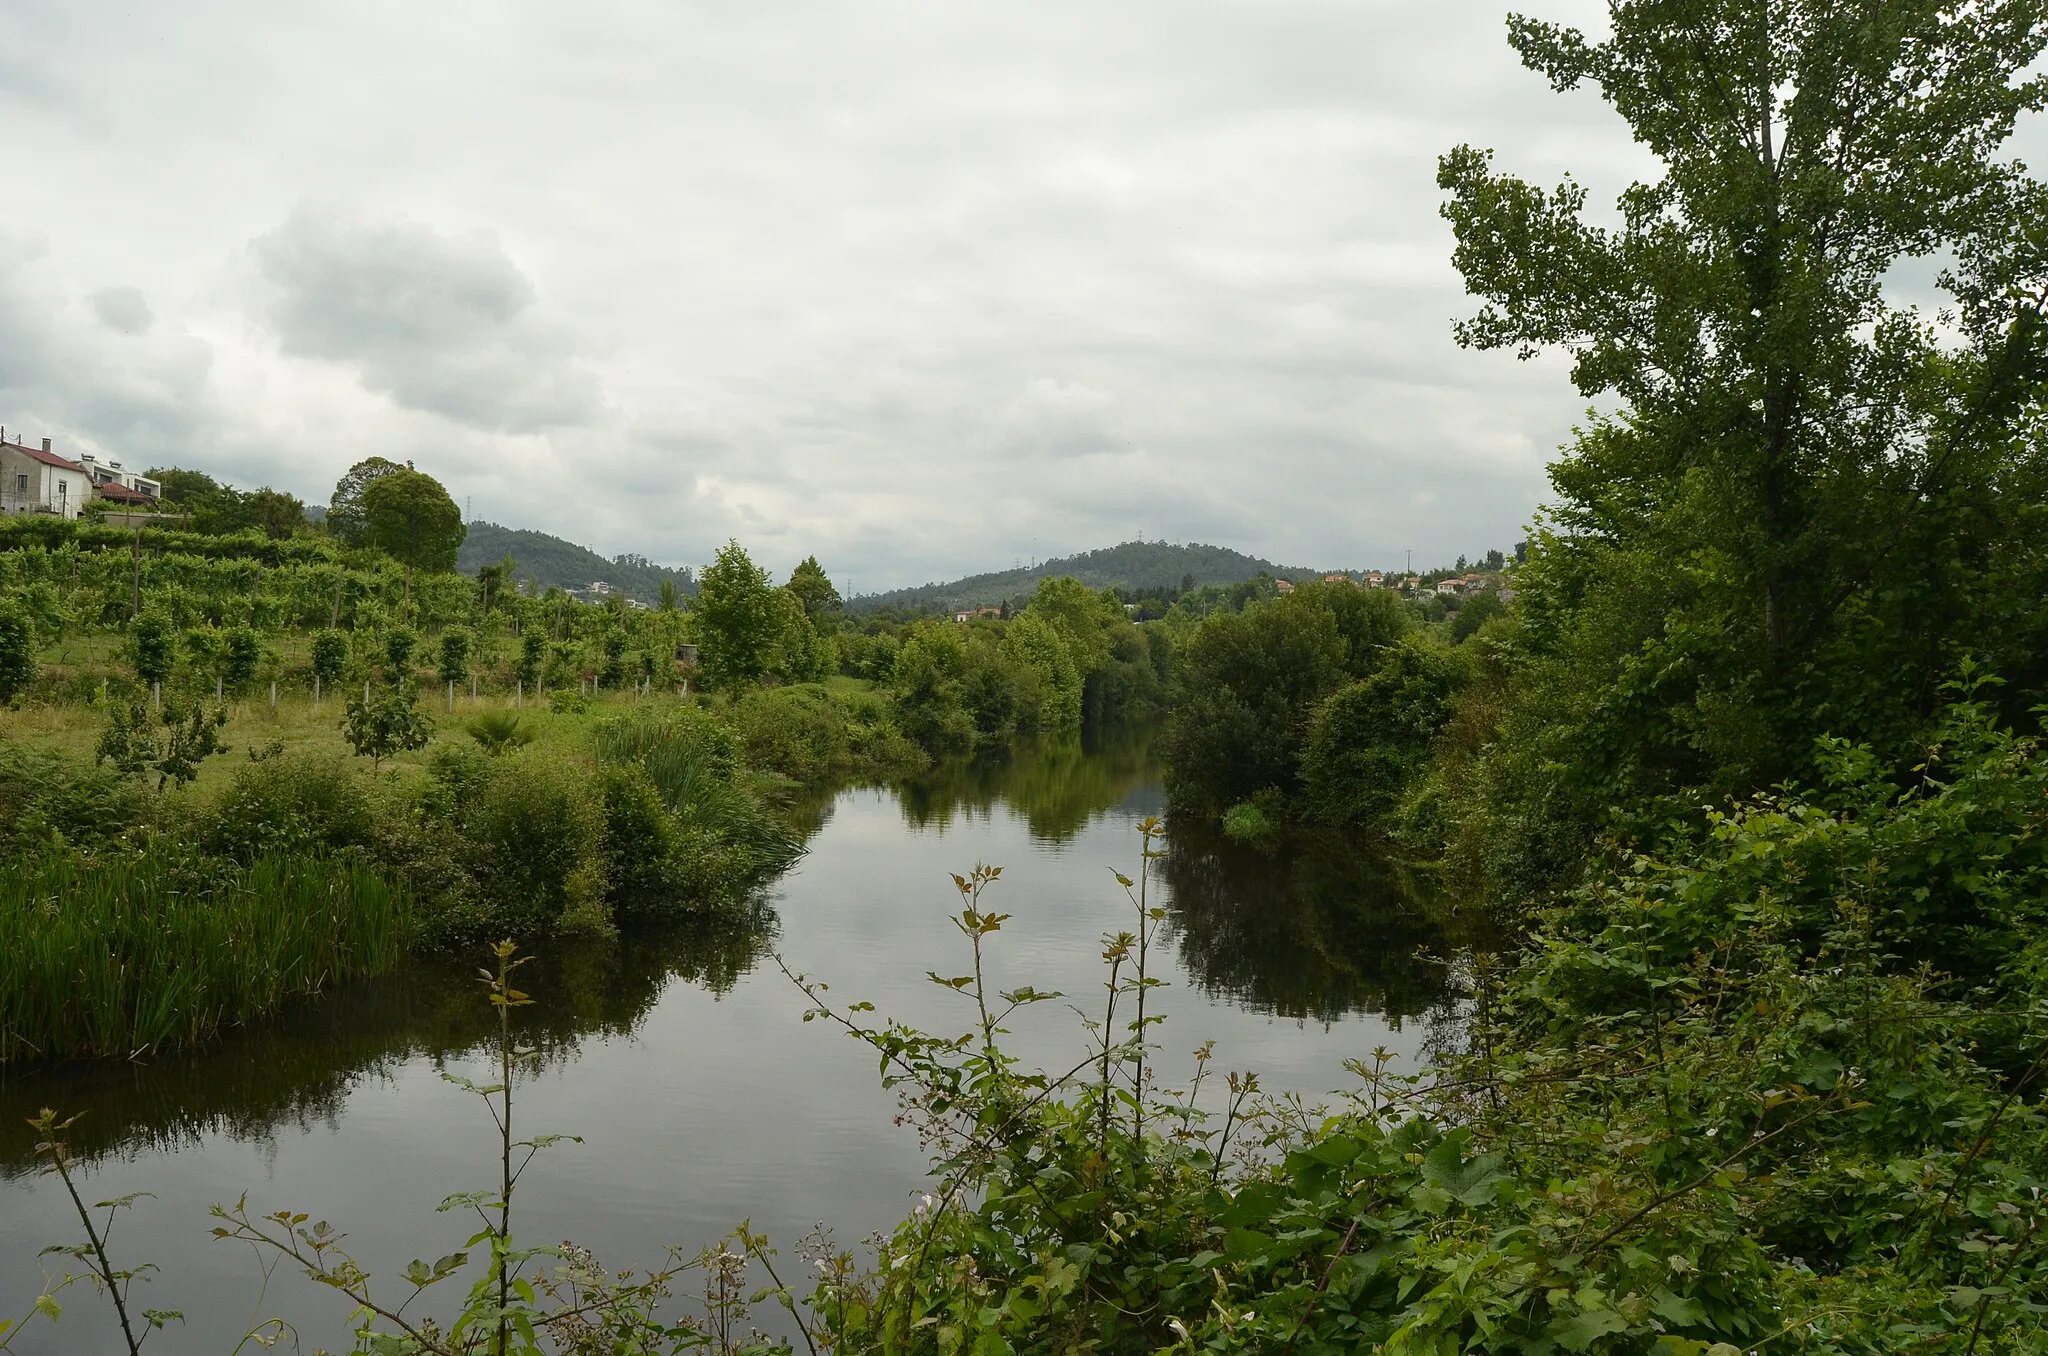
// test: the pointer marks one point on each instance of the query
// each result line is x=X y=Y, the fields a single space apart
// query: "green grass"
x=302 y=727
x=122 y=955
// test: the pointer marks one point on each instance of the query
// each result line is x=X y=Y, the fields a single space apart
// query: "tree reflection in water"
x=1056 y=785
x=298 y=1069
x=1313 y=932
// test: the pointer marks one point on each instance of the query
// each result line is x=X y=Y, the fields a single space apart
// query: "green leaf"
x=1678 y=1310
x=1581 y=1331
x=1473 y=1183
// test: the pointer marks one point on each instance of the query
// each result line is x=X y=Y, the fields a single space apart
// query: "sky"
x=923 y=289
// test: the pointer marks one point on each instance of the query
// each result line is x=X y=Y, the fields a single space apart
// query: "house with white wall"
x=112 y=473
x=37 y=480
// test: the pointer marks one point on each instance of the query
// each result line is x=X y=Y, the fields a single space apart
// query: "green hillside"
x=551 y=561
x=1136 y=565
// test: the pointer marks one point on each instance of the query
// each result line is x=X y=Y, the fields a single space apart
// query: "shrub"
x=692 y=760
x=533 y=649
x=150 y=647
x=1247 y=822
x=241 y=654
x=46 y=797
x=330 y=656
x=17 y=649
x=534 y=838
x=798 y=731
x=569 y=701
x=456 y=643
x=1370 y=740
x=298 y=804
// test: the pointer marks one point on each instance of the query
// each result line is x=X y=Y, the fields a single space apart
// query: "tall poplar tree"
x=1799 y=496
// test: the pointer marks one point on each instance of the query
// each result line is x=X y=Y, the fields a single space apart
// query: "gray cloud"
x=123 y=309
x=67 y=374
x=439 y=323
x=918 y=288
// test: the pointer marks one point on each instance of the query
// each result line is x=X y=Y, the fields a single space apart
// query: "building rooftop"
x=41 y=454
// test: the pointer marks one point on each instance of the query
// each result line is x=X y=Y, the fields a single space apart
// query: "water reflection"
x=299 y=1069
x=1314 y=932
x=1057 y=785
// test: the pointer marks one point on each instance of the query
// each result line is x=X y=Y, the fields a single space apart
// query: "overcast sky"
x=923 y=288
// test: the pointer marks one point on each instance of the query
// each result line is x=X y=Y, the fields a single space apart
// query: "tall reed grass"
x=124 y=955
x=693 y=761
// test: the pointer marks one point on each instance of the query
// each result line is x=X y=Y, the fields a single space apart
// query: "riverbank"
x=141 y=920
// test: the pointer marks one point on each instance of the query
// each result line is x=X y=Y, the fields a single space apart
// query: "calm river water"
x=702 y=1097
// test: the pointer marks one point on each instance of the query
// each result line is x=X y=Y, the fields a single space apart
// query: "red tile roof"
x=46 y=458
x=121 y=494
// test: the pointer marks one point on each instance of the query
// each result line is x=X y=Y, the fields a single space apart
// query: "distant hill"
x=1133 y=565
x=549 y=560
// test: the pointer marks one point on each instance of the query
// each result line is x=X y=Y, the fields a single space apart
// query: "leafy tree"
x=670 y=599
x=738 y=619
x=456 y=643
x=1368 y=620
x=409 y=515
x=1242 y=696
x=17 y=648
x=186 y=489
x=928 y=675
x=612 y=673
x=1042 y=648
x=279 y=514
x=189 y=734
x=1802 y=495
x=346 y=517
x=1473 y=613
x=151 y=647
x=213 y=506
x=491 y=581
x=1370 y=739
x=388 y=721
x=808 y=582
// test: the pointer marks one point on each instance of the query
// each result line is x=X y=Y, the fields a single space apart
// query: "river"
x=701 y=1096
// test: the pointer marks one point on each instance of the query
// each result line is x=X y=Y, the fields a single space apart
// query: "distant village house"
x=37 y=480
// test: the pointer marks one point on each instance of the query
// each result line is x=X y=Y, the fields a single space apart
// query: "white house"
x=37 y=480
x=105 y=473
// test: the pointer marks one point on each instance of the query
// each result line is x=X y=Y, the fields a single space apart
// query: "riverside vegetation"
x=416 y=760
x=1746 y=776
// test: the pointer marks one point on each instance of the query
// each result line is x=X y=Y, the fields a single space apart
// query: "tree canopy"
x=1801 y=494
x=738 y=617
x=410 y=516
x=346 y=516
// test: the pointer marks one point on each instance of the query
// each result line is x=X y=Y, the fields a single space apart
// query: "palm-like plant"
x=499 y=731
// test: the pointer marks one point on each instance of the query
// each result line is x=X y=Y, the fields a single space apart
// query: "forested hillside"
x=1133 y=565
x=549 y=560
